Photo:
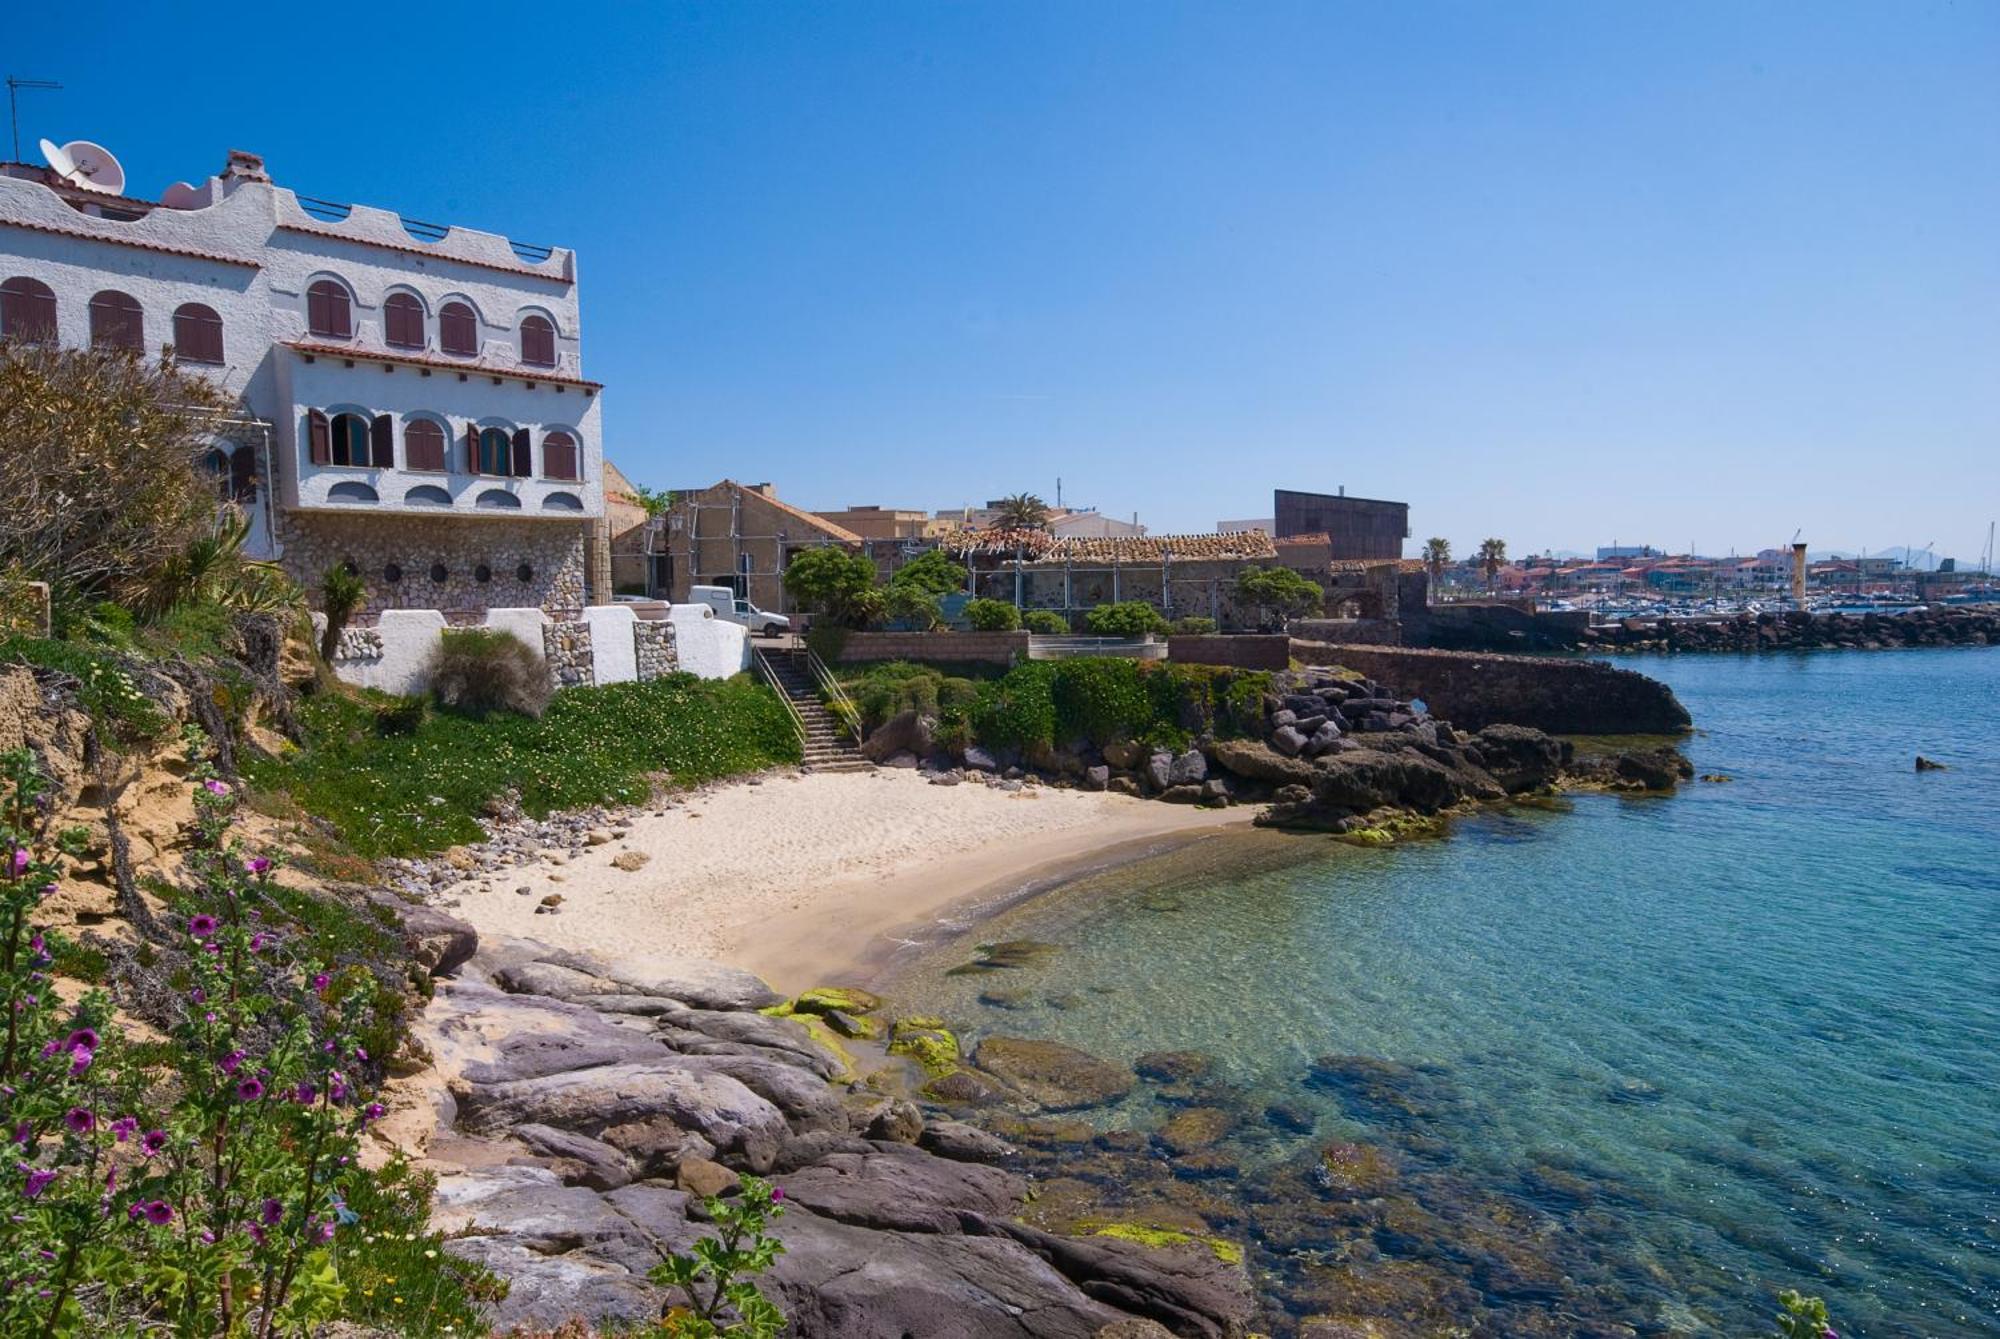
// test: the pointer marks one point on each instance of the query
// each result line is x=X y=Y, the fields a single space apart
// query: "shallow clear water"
x=1758 y=1022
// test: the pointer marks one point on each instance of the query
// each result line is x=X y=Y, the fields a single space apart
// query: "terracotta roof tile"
x=113 y=239
x=316 y=349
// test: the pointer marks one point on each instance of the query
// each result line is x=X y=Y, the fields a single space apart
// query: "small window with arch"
x=329 y=310
x=27 y=311
x=117 y=322
x=403 y=321
x=197 y=334
x=538 y=341
x=458 y=330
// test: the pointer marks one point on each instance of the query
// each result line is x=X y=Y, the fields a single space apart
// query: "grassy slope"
x=423 y=789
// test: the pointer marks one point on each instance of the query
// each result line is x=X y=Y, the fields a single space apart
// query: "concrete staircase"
x=828 y=748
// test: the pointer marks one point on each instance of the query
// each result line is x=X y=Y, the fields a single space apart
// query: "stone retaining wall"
x=1474 y=689
x=944 y=648
x=566 y=647
x=653 y=646
x=1249 y=651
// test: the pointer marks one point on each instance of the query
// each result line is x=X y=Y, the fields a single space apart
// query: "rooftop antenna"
x=14 y=87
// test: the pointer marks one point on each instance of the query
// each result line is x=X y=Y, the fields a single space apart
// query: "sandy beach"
x=808 y=878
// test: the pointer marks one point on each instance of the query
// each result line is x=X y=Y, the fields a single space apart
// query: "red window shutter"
x=524 y=458
x=472 y=448
x=319 y=312
x=423 y=446
x=320 y=434
x=458 y=330
x=559 y=456
x=382 y=442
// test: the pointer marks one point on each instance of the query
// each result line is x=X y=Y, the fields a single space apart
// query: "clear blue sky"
x=1557 y=272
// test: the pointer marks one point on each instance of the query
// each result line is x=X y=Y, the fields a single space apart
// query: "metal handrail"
x=770 y=677
x=843 y=705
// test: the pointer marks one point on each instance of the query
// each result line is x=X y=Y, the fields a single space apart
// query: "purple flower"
x=336 y=1088
x=198 y=995
x=38 y=1180
x=257 y=1234
x=360 y=1053
x=40 y=946
x=154 y=1141
x=374 y=1111
x=324 y=1231
x=321 y=980
x=80 y=1121
x=305 y=1094
x=259 y=865
x=777 y=1194
x=214 y=787
x=18 y=862
x=231 y=1061
x=159 y=1213
x=24 y=1134
x=274 y=1212
x=79 y=1060
x=258 y=940
x=84 y=1037
x=249 y=1090
x=50 y=1047
x=202 y=926
x=124 y=1128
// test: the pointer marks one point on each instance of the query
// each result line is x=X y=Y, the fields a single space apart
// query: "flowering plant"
x=194 y=1185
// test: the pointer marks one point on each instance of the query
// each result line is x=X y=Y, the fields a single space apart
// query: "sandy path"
x=801 y=877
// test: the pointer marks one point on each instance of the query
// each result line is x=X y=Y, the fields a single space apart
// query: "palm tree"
x=1492 y=557
x=1022 y=511
x=1437 y=557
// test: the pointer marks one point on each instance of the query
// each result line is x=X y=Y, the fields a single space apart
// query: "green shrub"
x=827 y=641
x=992 y=616
x=1194 y=626
x=1131 y=618
x=1045 y=622
x=480 y=670
x=341 y=592
x=933 y=572
x=424 y=790
x=1018 y=710
x=1278 y=594
x=1100 y=700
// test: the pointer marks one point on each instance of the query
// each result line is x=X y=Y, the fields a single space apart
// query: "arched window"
x=559 y=456
x=329 y=310
x=538 y=341
x=423 y=445
x=28 y=311
x=197 y=334
x=403 y=321
x=116 y=322
x=458 y=330
x=235 y=472
x=351 y=441
x=496 y=452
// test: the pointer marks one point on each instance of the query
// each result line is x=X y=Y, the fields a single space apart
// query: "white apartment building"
x=410 y=397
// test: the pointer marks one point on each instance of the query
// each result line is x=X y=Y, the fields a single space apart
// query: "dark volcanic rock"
x=1519 y=758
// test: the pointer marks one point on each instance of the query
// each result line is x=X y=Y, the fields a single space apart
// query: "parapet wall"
x=607 y=645
x=1249 y=651
x=1474 y=689
x=938 y=648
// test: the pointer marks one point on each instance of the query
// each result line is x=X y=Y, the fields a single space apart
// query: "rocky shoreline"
x=583 y=1108
x=1332 y=751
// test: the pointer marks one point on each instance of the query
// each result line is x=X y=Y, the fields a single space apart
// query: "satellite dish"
x=91 y=166
x=99 y=170
x=180 y=195
x=59 y=161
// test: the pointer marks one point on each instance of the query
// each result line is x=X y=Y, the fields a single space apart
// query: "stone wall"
x=1350 y=631
x=653 y=644
x=948 y=648
x=527 y=564
x=1492 y=626
x=566 y=647
x=1250 y=651
x=1474 y=689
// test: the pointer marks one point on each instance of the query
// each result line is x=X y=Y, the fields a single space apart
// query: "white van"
x=727 y=604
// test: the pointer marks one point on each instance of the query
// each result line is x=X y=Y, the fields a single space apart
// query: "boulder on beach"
x=909 y=732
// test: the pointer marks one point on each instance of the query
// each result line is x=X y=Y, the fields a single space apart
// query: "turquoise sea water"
x=1688 y=1050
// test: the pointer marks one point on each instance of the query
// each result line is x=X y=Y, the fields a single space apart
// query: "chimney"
x=244 y=166
x=764 y=488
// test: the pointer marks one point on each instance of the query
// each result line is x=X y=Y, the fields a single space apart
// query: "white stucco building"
x=412 y=398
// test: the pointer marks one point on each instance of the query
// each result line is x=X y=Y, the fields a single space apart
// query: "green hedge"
x=422 y=785
x=1042 y=704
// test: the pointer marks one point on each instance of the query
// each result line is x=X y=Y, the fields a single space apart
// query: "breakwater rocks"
x=1976 y=626
x=1476 y=689
x=1332 y=750
x=587 y=1107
